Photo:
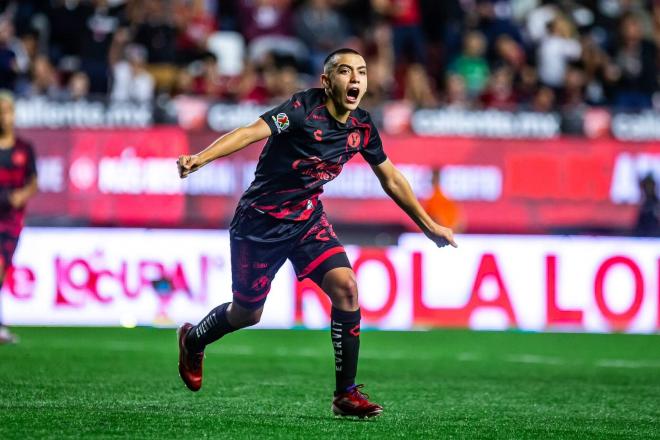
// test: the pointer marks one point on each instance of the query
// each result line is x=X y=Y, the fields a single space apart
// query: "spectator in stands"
x=509 y=52
x=130 y=79
x=418 y=90
x=153 y=28
x=379 y=56
x=648 y=218
x=78 y=86
x=280 y=76
x=500 y=93
x=195 y=25
x=635 y=77
x=211 y=83
x=322 y=28
x=472 y=65
x=267 y=25
x=597 y=67
x=9 y=69
x=100 y=26
x=67 y=21
x=556 y=50
x=655 y=11
x=573 y=92
x=406 y=21
x=456 y=96
x=43 y=80
x=184 y=83
x=544 y=100
x=493 y=25
x=538 y=19
x=260 y=18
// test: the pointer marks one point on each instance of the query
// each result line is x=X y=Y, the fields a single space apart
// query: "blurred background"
x=531 y=127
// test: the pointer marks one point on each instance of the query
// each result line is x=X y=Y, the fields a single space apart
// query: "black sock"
x=345 y=332
x=214 y=326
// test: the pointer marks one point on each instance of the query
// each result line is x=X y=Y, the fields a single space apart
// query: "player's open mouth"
x=352 y=94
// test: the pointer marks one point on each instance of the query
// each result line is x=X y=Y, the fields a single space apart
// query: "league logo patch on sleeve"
x=281 y=122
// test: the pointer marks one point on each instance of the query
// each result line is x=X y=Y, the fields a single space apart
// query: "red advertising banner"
x=128 y=177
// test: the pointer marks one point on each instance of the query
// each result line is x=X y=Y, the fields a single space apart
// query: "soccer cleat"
x=190 y=364
x=7 y=337
x=355 y=403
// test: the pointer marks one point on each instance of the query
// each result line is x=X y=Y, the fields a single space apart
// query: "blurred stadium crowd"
x=504 y=54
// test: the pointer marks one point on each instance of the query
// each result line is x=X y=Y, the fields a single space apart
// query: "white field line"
x=625 y=363
x=237 y=350
x=535 y=359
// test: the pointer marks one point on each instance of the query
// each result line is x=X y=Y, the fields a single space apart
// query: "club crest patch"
x=354 y=139
x=19 y=158
x=281 y=122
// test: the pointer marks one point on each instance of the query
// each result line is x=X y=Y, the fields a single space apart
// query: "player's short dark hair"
x=327 y=64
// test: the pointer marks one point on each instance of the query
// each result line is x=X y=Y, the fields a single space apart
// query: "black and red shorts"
x=260 y=244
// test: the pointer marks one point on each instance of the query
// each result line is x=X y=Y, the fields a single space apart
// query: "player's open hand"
x=188 y=164
x=441 y=236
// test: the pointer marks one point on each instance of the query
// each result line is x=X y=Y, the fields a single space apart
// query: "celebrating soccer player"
x=280 y=217
x=18 y=183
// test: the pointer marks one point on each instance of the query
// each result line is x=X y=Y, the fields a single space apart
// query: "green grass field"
x=82 y=383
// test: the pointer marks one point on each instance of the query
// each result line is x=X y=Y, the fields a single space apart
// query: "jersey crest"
x=354 y=139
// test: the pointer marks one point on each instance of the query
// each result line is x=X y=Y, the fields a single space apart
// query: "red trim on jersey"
x=316 y=262
x=367 y=129
x=309 y=115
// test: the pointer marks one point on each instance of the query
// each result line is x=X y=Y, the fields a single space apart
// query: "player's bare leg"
x=224 y=319
x=6 y=336
x=341 y=286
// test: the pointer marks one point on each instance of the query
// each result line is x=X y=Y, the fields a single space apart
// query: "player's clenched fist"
x=441 y=236
x=188 y=164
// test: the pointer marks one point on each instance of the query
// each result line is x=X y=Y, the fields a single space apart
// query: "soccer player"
x=280 y=217
x=18 y=183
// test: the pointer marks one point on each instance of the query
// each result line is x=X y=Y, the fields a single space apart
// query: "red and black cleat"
x=190 y=364
x=355 y=403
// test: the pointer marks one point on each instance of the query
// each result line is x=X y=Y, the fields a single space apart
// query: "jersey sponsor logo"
x=281 y=122
x=317 y=168
x=317 y=135
x=354 y=139
x=19 y=158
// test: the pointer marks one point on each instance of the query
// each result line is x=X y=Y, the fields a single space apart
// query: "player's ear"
x=325 y=81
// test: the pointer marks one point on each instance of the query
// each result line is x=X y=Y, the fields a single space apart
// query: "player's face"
x=6 y=116
x=347 y=82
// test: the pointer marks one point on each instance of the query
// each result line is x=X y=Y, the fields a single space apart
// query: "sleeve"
x=373 y=151
x=286 y=117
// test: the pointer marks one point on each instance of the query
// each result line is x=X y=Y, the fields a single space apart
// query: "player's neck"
x=339 y=113
x=7 y=140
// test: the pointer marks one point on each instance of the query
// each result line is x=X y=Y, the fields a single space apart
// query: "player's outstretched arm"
x=18 y=198
x=223 y=146
x=397 y=187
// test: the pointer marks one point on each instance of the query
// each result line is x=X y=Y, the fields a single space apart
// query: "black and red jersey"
x=307 y=148
x=17 y=167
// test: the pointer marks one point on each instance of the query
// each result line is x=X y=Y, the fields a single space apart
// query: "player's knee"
x=347 y=290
